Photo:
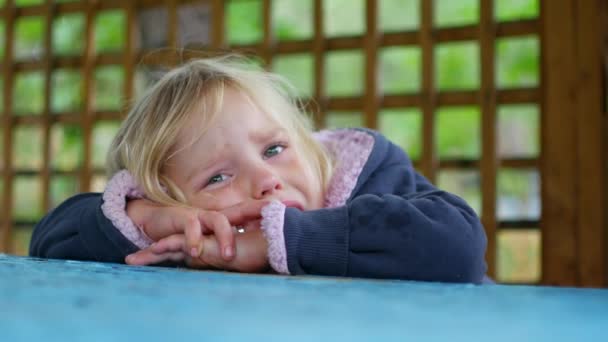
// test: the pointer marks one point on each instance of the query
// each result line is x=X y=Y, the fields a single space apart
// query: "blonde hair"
x=147 y=137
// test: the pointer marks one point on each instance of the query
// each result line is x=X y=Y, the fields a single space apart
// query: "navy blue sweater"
x=395 y=224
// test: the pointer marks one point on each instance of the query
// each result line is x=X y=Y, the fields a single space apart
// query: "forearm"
x=78 y=230
x=434 y=237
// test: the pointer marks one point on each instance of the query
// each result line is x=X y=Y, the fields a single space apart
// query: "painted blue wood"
x=50 y=300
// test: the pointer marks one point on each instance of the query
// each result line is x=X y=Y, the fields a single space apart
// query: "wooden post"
x=217 y=16
x=429 y=158
x=46 y=111
x=487 y=103
x=6 y=223
x=371 y=65
x=573 y=152
x=87 y=115
x=319 y=60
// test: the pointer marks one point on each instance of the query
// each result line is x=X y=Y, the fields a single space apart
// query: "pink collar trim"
x=350 y=149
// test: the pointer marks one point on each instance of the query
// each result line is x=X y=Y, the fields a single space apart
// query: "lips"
x=293 y=204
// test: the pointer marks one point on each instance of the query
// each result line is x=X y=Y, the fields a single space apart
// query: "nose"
x=265 y=183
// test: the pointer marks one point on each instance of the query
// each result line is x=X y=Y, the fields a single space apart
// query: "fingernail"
x=228 y=251
x=194 y=252
x=129 y=259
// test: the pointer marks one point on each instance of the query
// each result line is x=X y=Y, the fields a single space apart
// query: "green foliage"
x=244 y=22
x=457 y=66
x=68 y=34
x=66 y=147
x=292 y=19
x=464 y=183
x=404 y=128
x=103 y=133
x=516 y=9
x=517 y=62
x=343 y=119
x=519 y=194
x=398 y=15
x=28 y=2
x=455 y=13
x=518 y=131
x=343 y=17
x=299 y=70
x=27 y=147
x=110 y=28
x=66 y=91
x=344 y=73
x=27 y=206
x=28 y=93
x=29 y=33
x=518 y=256
x=400 y=69
x=458 y=132
x=109 y=81
x=61 y=188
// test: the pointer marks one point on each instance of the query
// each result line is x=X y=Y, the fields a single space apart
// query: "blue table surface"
x=52 y=300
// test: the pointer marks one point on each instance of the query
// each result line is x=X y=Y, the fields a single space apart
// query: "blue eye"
x=216 y=179
x=273 y=150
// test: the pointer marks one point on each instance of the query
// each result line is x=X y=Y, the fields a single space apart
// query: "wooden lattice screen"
x=367 y=103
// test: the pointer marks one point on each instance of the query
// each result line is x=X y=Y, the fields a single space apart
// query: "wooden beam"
x=558 y=169
x=371 y=64
x=319 y=62
x=487 y=103
x=591 y=152
x=7 y=129
x=46 y=111
x=218 y=36
x=573 y=145
x=429 y=156
x=603 y=10
x=88 y=72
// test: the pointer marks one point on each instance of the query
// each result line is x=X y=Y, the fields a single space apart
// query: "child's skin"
x=241 y=163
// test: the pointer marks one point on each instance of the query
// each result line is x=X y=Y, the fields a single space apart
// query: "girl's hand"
x=159 y=222
x=251 y=256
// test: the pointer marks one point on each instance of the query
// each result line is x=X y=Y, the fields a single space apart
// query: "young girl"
x=216 y=167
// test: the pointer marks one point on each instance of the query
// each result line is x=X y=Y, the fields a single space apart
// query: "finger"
x=211 y=254
x=193 y=233
x=222 y=231
x=172 y=243
x=147 y=257
x=245 y=211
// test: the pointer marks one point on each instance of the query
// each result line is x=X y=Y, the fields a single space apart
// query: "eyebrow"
x=261 y=137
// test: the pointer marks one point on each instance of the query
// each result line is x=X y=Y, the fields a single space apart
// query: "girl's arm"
x=78 y=230
x=107 y=228
x=396 y=225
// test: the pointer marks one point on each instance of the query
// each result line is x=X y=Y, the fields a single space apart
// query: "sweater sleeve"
x=395 y=225
x=78 y=230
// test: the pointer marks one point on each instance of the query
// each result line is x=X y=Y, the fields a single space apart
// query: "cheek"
x=306 y=175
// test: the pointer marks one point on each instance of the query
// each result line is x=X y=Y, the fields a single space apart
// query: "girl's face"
x=243 y=155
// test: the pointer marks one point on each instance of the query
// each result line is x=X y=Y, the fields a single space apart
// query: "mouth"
x=293 y=204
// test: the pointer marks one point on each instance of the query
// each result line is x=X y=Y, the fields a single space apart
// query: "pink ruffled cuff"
x=121 y=187
x=273 y=216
